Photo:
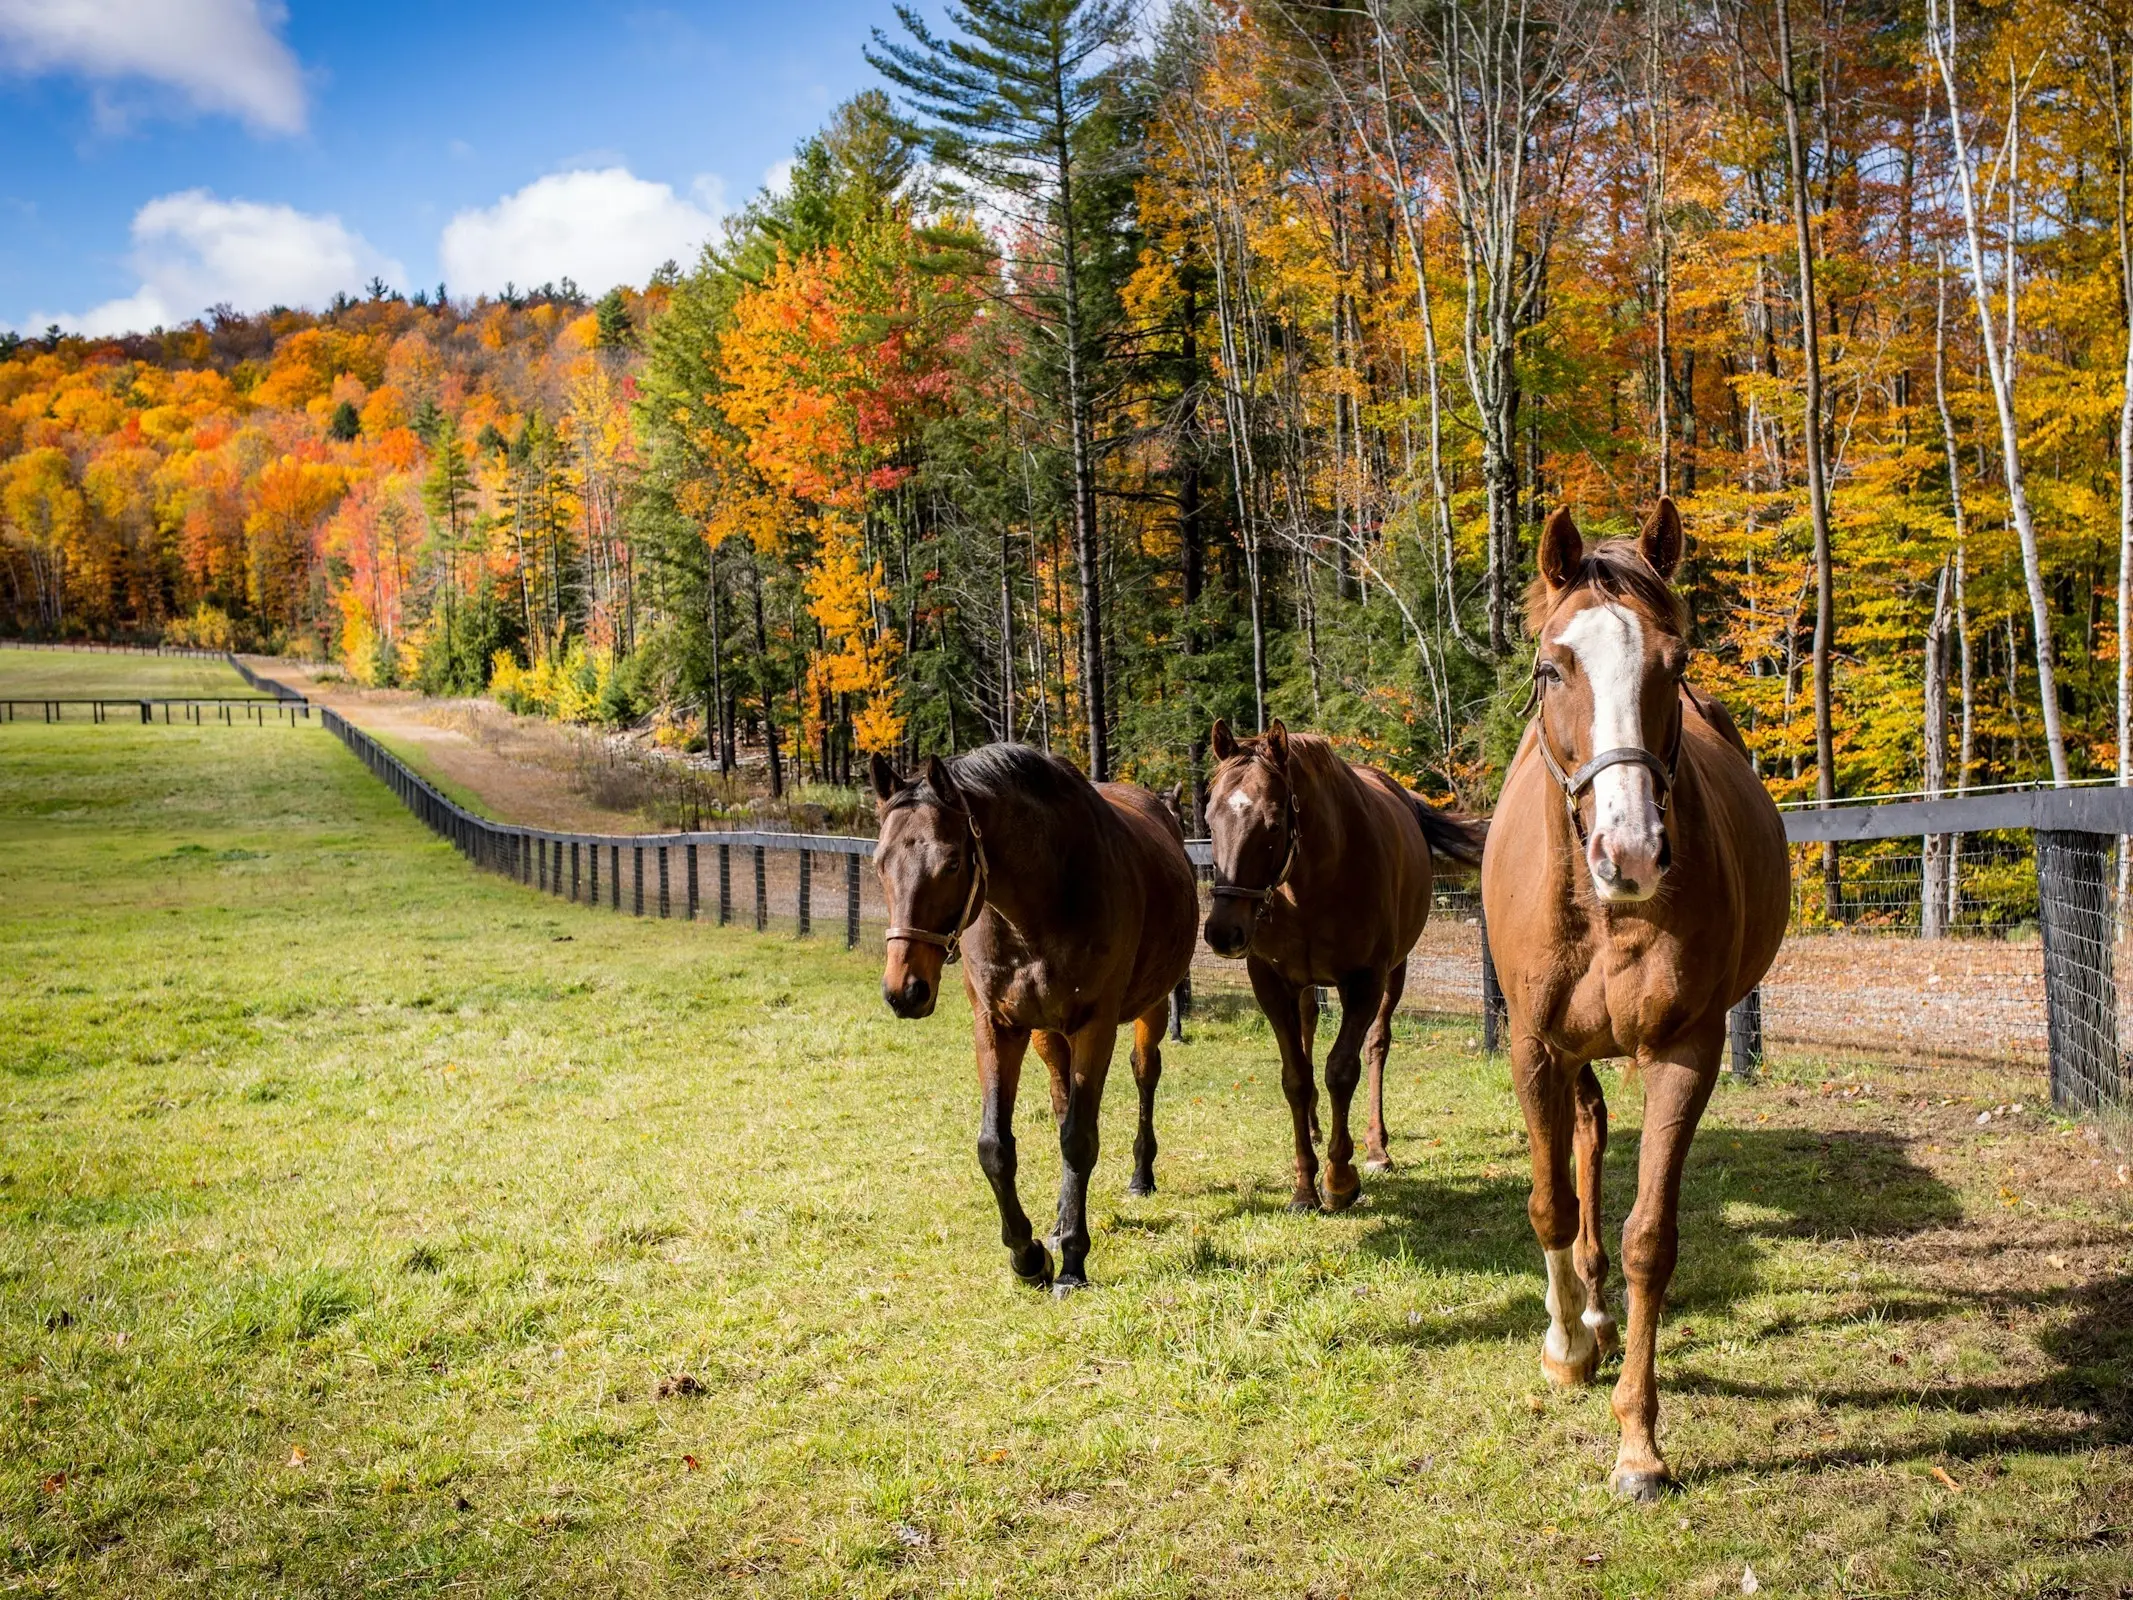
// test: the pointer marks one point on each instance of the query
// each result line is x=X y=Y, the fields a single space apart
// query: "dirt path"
x=518 y=769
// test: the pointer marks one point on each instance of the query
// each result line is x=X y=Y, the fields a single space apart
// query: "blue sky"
x=158 y=156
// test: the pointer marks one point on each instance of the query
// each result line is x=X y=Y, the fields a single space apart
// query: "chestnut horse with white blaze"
x=1323 y=873
x=1073 y=906
x=1636 y=887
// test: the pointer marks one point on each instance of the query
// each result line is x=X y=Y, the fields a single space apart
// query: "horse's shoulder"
x=1712 y=712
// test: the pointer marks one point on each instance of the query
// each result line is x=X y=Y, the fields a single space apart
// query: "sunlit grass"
x=87 y=674
x=368 y=1224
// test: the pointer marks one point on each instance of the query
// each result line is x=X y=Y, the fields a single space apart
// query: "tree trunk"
x=1817 y=478
x=770 y=705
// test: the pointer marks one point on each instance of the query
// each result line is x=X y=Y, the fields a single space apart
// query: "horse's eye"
x=1547 y=672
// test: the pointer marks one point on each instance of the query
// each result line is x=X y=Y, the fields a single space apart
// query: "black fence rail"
x=150 y=649
x=192 y=710
x=280 y=691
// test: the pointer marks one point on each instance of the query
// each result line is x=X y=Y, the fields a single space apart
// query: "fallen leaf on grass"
x=993 y=1457
x=298 y=1456
x=1535 y=1404
x=1595 y=1559
x=912 y=1537
x=56 y=1482
x=689 y=1463
x=680 y=1384
x=1952 y=1486
x=1749 y=1583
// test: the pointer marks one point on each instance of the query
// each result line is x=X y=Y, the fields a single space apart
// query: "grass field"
x=372 y=1226
x=86 y=674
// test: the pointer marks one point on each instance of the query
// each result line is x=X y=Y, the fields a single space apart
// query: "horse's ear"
x=886 y=783
x=1175 y=799
x=1277 y=743
x=1222 y=741
x=1661 y=539
x=940 y=783
x=1562 y=551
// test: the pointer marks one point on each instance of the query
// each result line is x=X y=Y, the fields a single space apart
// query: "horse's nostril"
x=1606 y=870
x=915 y=991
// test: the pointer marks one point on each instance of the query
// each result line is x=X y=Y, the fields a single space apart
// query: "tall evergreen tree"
x=1016 y=102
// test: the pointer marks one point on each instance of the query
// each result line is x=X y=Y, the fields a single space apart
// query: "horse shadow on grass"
x=1743 y=1191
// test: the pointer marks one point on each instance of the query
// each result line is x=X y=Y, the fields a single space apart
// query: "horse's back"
x=1750 y=839
x=1170 y=895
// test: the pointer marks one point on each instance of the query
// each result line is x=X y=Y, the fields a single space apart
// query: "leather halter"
x=1260 y=897
x=951 y=944
x=1574 y=784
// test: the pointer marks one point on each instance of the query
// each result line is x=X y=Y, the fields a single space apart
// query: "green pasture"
x=88 y=674
x=372 y=1226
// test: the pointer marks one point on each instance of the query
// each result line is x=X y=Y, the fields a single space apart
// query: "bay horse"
x=1071 y=905
x=1323 y=875
x=1636 y=886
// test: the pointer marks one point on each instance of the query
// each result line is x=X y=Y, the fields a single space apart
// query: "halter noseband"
x=951 y=944
x=1260 y=897
x=1574 y=784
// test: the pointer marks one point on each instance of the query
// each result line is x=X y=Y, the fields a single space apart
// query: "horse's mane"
x=1616 y=568
x=1006 y=771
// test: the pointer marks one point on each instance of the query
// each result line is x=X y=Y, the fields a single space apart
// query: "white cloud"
x=600 y=228
x=221 y=55
x=777 y=177
x=193 y=250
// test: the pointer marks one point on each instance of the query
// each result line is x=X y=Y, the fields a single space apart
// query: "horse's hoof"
x=1302 y=1204
x=1377 y=1164
x=1140 y=1188
x=1068 y=1283
x=1571 y=1371
x=1036 y=1273
x=1643 y=1487
x=1338 y=1200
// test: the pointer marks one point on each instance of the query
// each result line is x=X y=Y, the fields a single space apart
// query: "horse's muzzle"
x=912 y=998
x=1228 y=932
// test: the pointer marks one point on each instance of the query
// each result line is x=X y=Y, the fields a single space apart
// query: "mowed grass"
x=370 y=1225
x=87 y=674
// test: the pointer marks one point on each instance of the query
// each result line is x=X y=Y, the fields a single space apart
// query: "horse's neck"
x=1323 y=793
x=1031 y=851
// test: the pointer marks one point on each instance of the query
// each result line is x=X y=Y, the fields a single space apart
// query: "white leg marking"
x=1567 y=1342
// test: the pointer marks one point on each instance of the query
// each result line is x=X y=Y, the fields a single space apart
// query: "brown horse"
x=1636 y=887
x=1322 y=876
x=1073 y=905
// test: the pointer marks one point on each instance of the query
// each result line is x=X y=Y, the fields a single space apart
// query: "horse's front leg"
x=1677 y=1085
x=1570 y=1351
x=1360 y=994
x=1281 y=1001
x=1092 y=1048
x=1000 y=1051
x=1377 y=1154
x=1589 y=1143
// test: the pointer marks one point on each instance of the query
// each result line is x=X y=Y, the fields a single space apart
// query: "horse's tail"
x=1452 y=836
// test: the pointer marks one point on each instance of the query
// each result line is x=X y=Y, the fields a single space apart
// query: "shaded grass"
x=369 y=1223
x=88 y=674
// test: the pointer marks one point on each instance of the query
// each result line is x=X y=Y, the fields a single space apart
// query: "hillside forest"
x=1099 y=375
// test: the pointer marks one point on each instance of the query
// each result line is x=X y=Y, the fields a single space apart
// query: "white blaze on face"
x=1608 y=641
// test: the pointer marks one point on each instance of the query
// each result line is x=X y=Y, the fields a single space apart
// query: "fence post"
x=637 y=880
x=1493 y=1014
x=592 y=891
x=691 y=897
x=1744 y=1035
x=762 y=893
x=851 y=902
x=573 y=870
x=2080 y=1000
x=665 y=904
x=807 y=893
x=540 y=866
x=555 y=866
x=725 y=884
x=614 y=876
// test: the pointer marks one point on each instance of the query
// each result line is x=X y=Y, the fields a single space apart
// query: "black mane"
x=1005 y=772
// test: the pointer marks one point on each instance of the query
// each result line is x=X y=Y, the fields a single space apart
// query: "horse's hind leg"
x=1376 y=1156
x=1307 y=1037
x=1279 y=999
x=1677 y=1085
x=1000 y=1052
x=1147 y=1073
x=1590 y=1148
x=1360 y=994
x=1570 y=1351
x=1077 y=1149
